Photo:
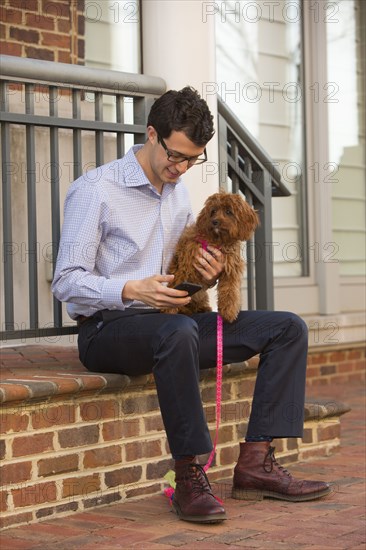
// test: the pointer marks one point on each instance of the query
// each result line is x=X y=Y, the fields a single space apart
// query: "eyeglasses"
x=174 y=156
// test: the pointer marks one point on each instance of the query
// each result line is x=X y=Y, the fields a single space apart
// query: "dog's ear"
x=203 y=218
x=248 y=221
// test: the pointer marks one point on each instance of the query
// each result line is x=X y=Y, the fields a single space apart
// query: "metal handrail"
x=63 y=74
x=252 y=172
x=279 y=188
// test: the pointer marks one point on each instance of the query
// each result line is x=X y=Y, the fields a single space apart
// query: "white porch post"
x=325 y=260
x=178 y=44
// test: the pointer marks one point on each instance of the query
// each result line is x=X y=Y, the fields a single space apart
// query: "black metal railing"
x=39 y=89
x=73 y=105
x=246 y=167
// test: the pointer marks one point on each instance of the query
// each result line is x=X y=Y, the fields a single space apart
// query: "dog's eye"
x=213 y=212
x=229 y=212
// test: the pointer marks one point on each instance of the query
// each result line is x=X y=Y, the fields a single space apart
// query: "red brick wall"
x=59 y=456
x=336 y=366
x=52 y=30
x=70 y=452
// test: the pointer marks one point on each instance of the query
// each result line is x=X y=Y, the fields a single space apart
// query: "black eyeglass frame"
x=192 y=161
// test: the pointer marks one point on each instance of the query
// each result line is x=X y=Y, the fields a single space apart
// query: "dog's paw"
x=171 y=311
x=190 y=309
x=229 y=314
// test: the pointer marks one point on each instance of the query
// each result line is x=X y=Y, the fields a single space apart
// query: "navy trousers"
x=175 y=347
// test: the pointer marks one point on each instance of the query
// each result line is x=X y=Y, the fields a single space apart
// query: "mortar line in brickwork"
x=34 y=508
x=54 y=453
x=60 y=478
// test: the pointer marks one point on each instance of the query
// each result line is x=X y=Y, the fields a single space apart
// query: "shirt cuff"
x=112 y=294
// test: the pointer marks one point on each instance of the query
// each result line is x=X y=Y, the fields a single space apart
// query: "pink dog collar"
x=203 y=243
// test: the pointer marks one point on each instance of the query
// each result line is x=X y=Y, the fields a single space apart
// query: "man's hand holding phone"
x=154 y=292
x=191 y=288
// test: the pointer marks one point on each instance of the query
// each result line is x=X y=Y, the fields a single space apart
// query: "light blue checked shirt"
x=116 y=228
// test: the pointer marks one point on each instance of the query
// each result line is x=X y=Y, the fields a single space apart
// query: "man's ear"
x=152 y=135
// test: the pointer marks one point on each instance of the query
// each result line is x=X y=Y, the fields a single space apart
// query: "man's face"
x=163 y=169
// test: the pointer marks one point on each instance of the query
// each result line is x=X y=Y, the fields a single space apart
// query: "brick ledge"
x=58 y=379
x=97 y=445
x=324 y=408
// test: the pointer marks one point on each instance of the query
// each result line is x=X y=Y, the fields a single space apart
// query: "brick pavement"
x=335 y=522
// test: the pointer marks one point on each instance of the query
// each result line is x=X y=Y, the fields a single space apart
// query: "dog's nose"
x=215 y=223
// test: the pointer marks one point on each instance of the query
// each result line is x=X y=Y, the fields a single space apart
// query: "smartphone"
x=191 y=288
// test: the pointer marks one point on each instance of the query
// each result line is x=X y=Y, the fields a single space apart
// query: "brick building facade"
x=52 y=30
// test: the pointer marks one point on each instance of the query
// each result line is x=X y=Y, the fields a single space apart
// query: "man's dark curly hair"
x=182 y=111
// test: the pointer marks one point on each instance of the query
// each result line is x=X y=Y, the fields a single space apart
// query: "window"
x=346 y=110
x=112 y=35
x=112 y=41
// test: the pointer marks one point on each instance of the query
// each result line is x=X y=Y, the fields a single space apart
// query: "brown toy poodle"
x=225 y=220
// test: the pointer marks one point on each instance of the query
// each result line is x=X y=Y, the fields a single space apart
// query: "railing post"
x=99 y=139
x=31 y=210
x=7 y=209
x=141 y=109
x=76 y=134
x=222 y=135
x=120 y=118
x=55 y=196
x=263 y=244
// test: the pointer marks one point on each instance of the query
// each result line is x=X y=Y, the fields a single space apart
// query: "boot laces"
x=198 y=478
x=270 y=461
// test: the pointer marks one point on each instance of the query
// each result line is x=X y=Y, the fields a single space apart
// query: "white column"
x=320 y=191
x=178 y=44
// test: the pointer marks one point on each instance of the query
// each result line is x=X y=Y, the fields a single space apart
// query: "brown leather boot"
x=193 y=499
x=258 y=474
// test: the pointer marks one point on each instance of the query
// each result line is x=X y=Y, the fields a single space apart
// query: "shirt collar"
x=133 y=173
x=135 y=176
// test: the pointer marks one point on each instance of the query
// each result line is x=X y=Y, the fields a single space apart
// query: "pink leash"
x=219 y=356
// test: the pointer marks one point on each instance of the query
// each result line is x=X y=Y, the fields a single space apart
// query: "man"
x=121 y=224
